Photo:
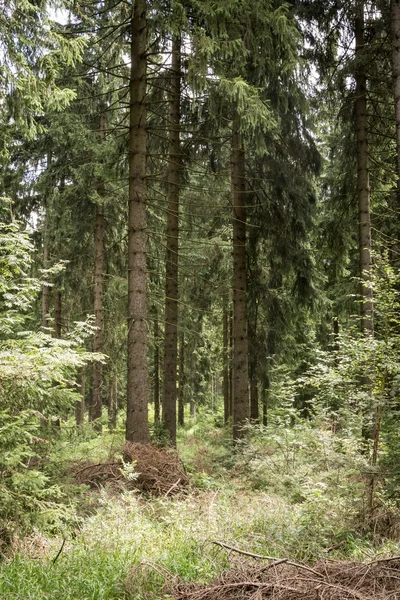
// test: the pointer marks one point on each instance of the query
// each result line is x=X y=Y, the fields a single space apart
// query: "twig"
x=339 y=587
x=198 y=595
x=280 y=561
x=381 y=560
x=60 y=550
x=262 y=557
x=172 y=487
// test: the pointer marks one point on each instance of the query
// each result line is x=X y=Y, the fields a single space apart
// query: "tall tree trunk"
x=58 y=313
x=230 y=363
x=254 y=412
x=137 y=425
x=172 y=243
x=193 y=390
x=240 y=326
x=253 y=364
x=46 y=257
x=395 y=39
x=363 y=189
x=95 y=411
x=80 y=404
x=264 y=395
x=113 y=402
x=45 y=288
x=225 y=360
x=182 y=381
x=156 y=370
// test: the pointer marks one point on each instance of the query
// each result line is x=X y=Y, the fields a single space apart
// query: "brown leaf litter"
x=159 y=471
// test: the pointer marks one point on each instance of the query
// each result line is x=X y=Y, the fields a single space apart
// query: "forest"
x=200 y=299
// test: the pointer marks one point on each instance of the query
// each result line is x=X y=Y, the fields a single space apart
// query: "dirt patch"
x=279 y=580
x=156 y=471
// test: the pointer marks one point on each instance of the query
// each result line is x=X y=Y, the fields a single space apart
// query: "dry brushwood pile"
x=157 y=471
x=283 y=580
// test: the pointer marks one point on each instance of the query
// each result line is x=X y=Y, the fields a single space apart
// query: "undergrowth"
x=296 y=494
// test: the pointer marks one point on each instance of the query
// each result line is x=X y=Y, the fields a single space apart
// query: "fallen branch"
x=172 y=487
x=382 y=560
x=263 y=557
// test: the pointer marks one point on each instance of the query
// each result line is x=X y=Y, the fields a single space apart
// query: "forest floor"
x=296 y=498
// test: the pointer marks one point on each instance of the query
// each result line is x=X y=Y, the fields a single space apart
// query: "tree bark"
x=45 y=288
x=137 y=426
x=156 y=370
x=254 y=413
x=80 y=404
x=58 y=314
x=230 y=363
x=395 y=39
x=95 y=410
x=172 y=243
x=363 y=188
x=240 y=326
x=113 y=402
x=225 y=360
x=264 y=396
x=253 y=364
x=182 y=381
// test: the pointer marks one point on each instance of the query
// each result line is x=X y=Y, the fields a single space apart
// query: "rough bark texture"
x=363 y=189
x=226 y=361
x=230 y=363
x=95 y=410
x=137 y=427
x=45 y=288
x=253 y=363
x=264 y=397
x=156 y=370
x=254 y=413
x=182 y=381
x=240 y=327
x=80 y=404
x=113 y=402
x=172 y=243
x=395 y=39
x=57 y=314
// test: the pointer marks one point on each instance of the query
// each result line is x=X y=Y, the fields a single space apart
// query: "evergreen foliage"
x=217 y=182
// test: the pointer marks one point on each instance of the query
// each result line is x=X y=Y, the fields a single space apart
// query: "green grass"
x=293 y=495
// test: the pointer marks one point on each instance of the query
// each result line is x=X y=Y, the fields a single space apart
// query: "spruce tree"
x=137 y=428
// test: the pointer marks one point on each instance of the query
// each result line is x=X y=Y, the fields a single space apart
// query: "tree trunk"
x=240 y=340
x=172 y=243
x=230 y=363
x=182 y=381
x=58 y=314
x=45 y=288
x=80 y=404
x=395 y=39
x=254 y=413
x=363 y=189
x=225 y=360
x=156 y=370
x=137 y=426
x=113 y=402
x=253 y=364
x=95 y=411
x=264 y=396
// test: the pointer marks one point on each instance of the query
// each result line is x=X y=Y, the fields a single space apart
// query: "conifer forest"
x=199 y=299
